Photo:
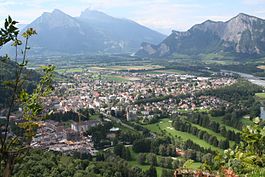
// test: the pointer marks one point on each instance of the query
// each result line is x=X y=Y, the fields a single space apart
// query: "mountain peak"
x=54 y=19
x=243 y=35
x=242 y=15
x=94 y=14
x=92 y=32
x=57 y=11
x=90 y=11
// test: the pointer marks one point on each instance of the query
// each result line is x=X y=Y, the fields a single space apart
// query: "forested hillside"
x=8 y=70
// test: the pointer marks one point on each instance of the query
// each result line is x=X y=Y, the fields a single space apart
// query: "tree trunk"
x=8 y=167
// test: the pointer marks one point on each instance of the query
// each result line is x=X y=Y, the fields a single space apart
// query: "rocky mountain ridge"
x=243 y=34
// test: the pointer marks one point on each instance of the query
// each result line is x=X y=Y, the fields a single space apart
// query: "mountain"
x=91 y=32
x=242 y=35
x=21 y=26
x=120 y=33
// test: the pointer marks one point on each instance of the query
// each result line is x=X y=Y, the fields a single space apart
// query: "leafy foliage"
x=249 y=156
x=14 y=146
x=49 y=164
x=8 y=70
x=9 y=32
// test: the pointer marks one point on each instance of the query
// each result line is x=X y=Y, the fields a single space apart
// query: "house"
x=84 y=126
x=131 y=115
x=113 y=133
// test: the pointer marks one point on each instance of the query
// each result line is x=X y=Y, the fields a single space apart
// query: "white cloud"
x=158 y=14
x=260 y=13
x=22 y=11
x=253 y=2
x=162 y=15
x=166 y=15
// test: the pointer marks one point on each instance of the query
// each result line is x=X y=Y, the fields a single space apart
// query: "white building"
x=84 y=126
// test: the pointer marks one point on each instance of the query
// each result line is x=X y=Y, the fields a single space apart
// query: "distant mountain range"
x=91 y=32
x=243 y=35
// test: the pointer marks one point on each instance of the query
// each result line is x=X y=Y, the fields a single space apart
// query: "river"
x=255 y=80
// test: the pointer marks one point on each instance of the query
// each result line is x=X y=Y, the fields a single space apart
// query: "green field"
x=118 y=78
x=166 y=71
x=214 y=58
x=129 y=67
x=115 y=78
x=165 y=126
x=260 y=95
x=69 y=70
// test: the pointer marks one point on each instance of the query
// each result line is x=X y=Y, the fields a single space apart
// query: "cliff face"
x=242 y=34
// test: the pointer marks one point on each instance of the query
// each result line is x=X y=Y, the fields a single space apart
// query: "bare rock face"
x=147 y=49
x=243 y=34
x=247 y=32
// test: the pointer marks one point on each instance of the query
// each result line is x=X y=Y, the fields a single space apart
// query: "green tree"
x=168 y=162
x=119 y=150
x=176 y=164
x=141 y=158
x=249 y=156
x=162 y=162
x=167 y=173
x=162 y=150
x=14 y=146
x=142 y=145
x=122 y=151
x=151 y=172
x=151 y=159
x=127 y=155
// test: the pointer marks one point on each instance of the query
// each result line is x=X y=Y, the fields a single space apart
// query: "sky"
x=161 y=15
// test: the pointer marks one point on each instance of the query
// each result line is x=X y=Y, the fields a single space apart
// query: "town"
x=107 y=95
x=144 y=97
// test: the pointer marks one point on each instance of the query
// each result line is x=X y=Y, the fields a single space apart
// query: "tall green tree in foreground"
x=15 y=144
